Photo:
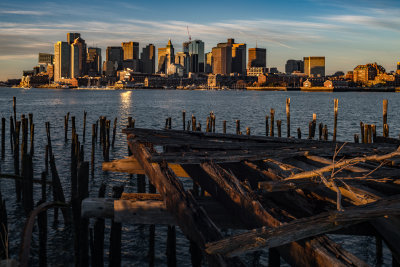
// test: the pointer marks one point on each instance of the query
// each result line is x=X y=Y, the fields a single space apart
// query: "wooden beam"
x=303 y=228
x=192 y=219
x=131 y=165
x=228 y=190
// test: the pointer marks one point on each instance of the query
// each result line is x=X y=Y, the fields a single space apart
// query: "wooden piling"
x=42 y=225
x=373 y=128
x=266 y=125
x=32 y=139
x=84 y=126
x=336 y=103
x=288 y=116
x=356 y=138
x=208 y=124
x=366 y=134
x=314 y=125
x=3 y=137
x=16 y=159
x=98 y=235
x=310 y=130
x=3 y=230
x=193 y=123
x=247 y=130
x=12 y=129
x=320 y=127
x=27 y=183
x=83 y=235
x=278 y=126
x=272 y=113
x=384 y=115
x=213 y=122
x=66 y=119
x=115 y=235
x=224 y=127
x=325 y=132
x=369 y=134
x=114 y=132
x=183 y=120
x=15 y=109
x=237 y=126
x=92 y=155
x=171 y=246
x=362 y=131
x=299 y=133
x=386 y=130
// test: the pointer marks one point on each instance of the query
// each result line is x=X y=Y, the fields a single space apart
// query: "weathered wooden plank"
x=131 y=165
x=303 y=228
x=192 y=219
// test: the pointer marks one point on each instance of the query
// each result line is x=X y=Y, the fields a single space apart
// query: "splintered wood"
x=291 y=192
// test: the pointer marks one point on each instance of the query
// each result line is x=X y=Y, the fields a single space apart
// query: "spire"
x=169 y=42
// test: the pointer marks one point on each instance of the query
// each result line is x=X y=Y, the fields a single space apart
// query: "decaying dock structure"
x=288 y=193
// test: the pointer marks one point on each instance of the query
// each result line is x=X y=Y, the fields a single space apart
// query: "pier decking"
x=290 y=191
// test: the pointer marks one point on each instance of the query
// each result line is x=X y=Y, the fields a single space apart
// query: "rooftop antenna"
x=190 y=37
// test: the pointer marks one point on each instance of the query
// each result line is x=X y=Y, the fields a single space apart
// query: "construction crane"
x=190 y=37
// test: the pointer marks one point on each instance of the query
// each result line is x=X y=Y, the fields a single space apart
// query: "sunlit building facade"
x=62 y=59
x=314 y=66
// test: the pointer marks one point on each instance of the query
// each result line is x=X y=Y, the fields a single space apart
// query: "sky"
x=347 y=33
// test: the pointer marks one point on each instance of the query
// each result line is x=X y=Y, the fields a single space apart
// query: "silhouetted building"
x=131 y=50
x=239 y=58
x=94 y=61
x=78 y=58
x=314 y=66
x=294 y=65
x=114 y=59
x=45 y=58
x=62 y=60
x=148 y=59
x=71 y=36
x=257 y=57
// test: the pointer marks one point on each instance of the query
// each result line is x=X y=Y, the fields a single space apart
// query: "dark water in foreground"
x=150 y=108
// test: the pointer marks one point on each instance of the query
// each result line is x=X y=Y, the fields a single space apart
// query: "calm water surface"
x=150 y=108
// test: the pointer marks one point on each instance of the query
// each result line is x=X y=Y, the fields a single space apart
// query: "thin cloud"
x=24 y=12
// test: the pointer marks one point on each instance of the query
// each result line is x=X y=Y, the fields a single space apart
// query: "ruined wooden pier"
x=288 y=192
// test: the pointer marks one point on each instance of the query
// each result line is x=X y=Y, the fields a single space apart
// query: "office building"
x=368 y=72
x=239 y=58
x=62 y=59
x=182 y=58
x=196 y=53
x=148 y=59
x=209 y=63
x=257 y=57
x=294 y=66
x=222 y=58
x=45 y=58
x=71 y=36
x=166 y=56
x=115 y=54
x=78 y=58
x=94 y=61
x=314 y=66
x=131 y=50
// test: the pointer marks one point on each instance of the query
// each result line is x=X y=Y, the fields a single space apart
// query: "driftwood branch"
x=303 y=228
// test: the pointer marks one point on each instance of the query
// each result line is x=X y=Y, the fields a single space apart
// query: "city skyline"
x=345 y=34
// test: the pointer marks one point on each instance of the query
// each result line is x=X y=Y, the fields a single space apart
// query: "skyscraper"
x=94 y=61
x=222 y=59
x=78 y=58
x=314 y=66
x=196 y=54
x=239 y=58
x=131 y=50
x=71 y=36
x=182 y=58
x=166 y=56
x=45 y=58
x=115 y=54
x=62 y=59
x=294 y=65
x=148 y=59
x=257 y=57
x=209 y=63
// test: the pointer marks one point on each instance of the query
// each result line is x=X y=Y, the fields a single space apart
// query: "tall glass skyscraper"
x=196 y=55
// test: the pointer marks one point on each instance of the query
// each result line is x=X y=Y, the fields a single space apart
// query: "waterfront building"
x=239 y=58
x=131 y=50
x=222 y=58
x=45 y=58
x=71 y=36
x=93 y=61
x=257 y=57
x=314 y=66
x=196 y=53
x=257 y=71
x=62 y=60
x=367 y=73
x=78 y=58
x=398 y=68
x=147 y=58
x=294 y=65
x=166 y=56
x=209 y=63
